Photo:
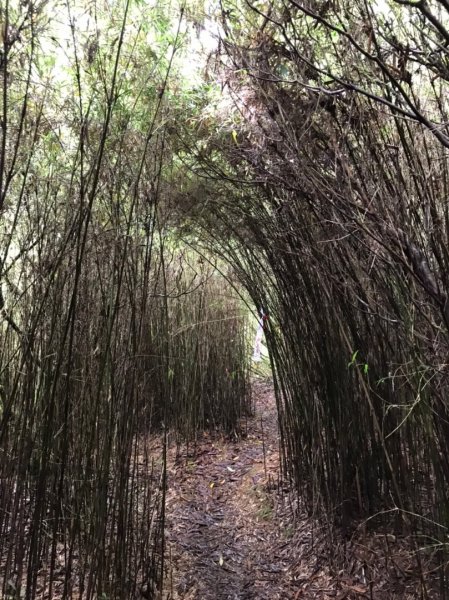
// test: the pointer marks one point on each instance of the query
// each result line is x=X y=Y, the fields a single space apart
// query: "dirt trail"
x=229 y=529
x=231 y=534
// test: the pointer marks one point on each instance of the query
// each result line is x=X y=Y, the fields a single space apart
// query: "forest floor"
x=233 y=532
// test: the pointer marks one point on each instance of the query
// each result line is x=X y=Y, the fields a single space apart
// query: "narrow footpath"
x=232 y=533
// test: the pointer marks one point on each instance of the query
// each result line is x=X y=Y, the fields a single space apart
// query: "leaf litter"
x=236 y=531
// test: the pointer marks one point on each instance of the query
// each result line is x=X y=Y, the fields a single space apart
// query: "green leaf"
x=353 y=359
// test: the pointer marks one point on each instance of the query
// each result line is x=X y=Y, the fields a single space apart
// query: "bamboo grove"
x=111 y=331
x=328 y=164
x=307 y=171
